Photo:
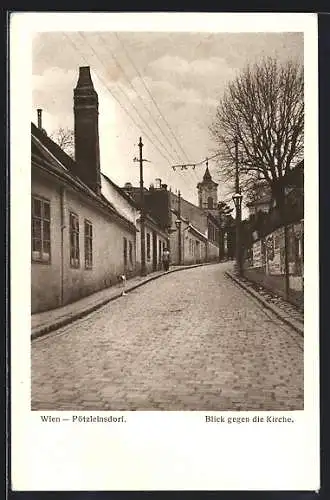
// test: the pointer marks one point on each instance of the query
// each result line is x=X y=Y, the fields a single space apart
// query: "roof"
x=260 y=201
x=48 y=156
x=207 y=175
x=121 y=191
x=207 y=178
x=153 y=223
x=52 y=147
x=194 y=230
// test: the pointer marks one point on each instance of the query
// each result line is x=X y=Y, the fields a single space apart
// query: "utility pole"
x=236 y=166
x=142 y=214
x=286 y=245
x=221 y=216
x=238 y=201
x=179 y=227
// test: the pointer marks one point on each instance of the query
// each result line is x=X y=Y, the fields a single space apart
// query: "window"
x=74 y=240
x=148 y=246
x=88 y=245
x=130 y=247
x=125 y=252
x=210 y=202
x=40 y=230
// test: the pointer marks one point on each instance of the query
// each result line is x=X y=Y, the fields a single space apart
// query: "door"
x=154 y=251
x=198 y=252
x=159 y=254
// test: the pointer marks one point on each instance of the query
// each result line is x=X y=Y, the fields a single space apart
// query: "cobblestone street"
x=191 y=340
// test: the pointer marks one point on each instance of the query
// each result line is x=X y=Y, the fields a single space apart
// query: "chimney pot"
x=85 y=79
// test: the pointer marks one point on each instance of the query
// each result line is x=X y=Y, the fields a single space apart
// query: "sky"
x=164 y=87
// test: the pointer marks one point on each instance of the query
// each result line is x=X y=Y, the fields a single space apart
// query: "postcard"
x=164 y=295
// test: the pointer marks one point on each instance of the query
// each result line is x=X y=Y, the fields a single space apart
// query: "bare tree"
x=64 y=137
x=264 y=109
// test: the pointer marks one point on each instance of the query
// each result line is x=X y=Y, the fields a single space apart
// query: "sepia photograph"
x=167 y=221
x=164 y=260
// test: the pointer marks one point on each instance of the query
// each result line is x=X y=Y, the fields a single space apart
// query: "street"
x=190 y=340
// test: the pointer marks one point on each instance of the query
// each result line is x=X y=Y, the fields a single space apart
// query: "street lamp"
x=237 y=199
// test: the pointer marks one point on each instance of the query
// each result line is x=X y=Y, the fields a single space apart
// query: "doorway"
x=154 y=251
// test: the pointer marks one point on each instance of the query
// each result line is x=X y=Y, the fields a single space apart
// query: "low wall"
x=264 y=262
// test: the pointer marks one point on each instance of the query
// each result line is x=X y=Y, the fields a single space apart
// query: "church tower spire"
x=207 y=191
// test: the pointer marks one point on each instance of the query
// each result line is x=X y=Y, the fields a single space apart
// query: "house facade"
x=156 y=240
x=179 y=218
x=85 y=229
x=187 y=244
x=76 y=245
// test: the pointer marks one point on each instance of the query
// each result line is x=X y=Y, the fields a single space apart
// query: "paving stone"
x=218 y=351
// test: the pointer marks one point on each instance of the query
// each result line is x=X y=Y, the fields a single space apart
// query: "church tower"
x=207 y=191
x=86 y=131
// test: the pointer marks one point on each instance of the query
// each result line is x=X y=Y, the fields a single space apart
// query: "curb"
x=44 y=330
x=289 y=321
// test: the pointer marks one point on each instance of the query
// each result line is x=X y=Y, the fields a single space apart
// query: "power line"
x=125 y=95
x=154 y=101
x=138 y=126
x=185 y=166
x=141 y=99
x=151 y=96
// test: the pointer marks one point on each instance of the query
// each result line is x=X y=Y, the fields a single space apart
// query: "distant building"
x=261 y=199
x=207 y=192
x=199 y=224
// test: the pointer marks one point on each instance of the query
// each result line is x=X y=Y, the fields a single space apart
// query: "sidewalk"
x=282 y=309
x=45 y=322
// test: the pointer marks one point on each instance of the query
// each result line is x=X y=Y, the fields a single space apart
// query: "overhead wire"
x=125 y=96
x=104 y=83
x=196 y=179
x=185 y=166
x=139 y=96
x=123 y=92
x=153 y=100
x=128 y=98
x=151 y=96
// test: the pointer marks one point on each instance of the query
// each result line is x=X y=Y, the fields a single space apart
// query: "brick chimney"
x=86 y=131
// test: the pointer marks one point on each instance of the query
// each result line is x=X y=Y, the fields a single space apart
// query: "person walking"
x=166 y=259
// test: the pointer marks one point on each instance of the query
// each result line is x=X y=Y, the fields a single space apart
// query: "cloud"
x=165 y=93
x=208 y=76
x=176 y=64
